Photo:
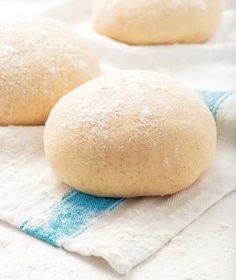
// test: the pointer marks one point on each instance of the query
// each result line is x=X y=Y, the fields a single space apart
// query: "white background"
x=204 y=250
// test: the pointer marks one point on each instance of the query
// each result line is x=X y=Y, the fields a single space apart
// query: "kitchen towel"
x=123 y=231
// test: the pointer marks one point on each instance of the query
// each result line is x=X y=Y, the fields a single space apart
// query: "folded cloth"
x=122 y=231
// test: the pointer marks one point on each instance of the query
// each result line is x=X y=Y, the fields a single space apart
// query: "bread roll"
x=130 y=133
x=40 y=61
x=143 y=22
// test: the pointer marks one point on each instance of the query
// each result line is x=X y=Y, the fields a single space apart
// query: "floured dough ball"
x=142 y=22
x=130 y=133
x=40 y=61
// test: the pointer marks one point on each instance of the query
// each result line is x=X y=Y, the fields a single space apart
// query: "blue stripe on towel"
x=71 y=216
x=213 y=99
x=76 y=210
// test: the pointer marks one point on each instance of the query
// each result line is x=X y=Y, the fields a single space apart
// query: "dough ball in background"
x=40 y=61
x=130 y=133
x=142 y=22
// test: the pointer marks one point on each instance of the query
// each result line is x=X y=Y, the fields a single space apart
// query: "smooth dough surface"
x=130 y=133
x=142 y=22
x=40 y=61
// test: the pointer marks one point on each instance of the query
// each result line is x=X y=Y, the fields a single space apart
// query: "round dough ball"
x=141 y=22
x=130 y=133
x=40 y=61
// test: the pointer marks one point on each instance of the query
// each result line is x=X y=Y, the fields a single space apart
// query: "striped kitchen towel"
x=122 y=231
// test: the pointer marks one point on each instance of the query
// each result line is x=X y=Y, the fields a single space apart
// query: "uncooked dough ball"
x=130 y=133
x=40 y=61
x=142 y=22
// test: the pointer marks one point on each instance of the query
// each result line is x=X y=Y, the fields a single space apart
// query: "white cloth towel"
x=124 y=232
